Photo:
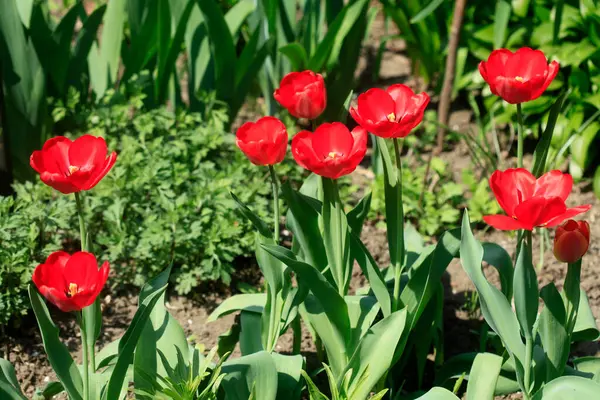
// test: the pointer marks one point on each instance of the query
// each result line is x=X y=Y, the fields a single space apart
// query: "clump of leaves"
x=341 y=392
x=186 y=380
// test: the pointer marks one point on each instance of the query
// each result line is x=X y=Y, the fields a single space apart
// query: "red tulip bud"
x=303 y=94
x=571 y=241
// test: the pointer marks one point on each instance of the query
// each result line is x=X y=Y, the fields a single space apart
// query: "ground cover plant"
x=129 y=190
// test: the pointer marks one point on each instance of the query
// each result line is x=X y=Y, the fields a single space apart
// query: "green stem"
x=340 y=243
x=89 y=313
x=297 y=329
x=542 y=236
x=528 y=335
x=86 y=375
x=520 y=138
x=572 y=294
x=82 y=230
x=400 y=260
x=275 y=186
x=528 y=359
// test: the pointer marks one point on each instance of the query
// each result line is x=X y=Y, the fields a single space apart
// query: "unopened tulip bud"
x=571 y=241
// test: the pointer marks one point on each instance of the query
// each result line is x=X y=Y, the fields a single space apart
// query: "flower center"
x=519 y=79
x=73 y=290
x=333 y=155
x=73 y=169
x=391 y=117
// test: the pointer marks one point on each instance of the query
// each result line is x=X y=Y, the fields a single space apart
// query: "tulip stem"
x=89 y=314
x=82 y=230
x=85 y=362
x=572 y=294
x=275 y=185
x=400 y=259
x=520 y=138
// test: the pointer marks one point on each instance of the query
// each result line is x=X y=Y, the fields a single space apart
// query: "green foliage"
x=166 y=198
x=342 y=392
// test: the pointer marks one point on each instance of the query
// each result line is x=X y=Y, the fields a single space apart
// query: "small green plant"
x=341 y=392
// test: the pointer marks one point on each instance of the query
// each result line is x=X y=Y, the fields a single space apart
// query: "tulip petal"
x=376 y=105
x=537 y=211
x=302 y=149
x=571 y=246
x=332 y=138
x=87 y=152
x=526 y=63
x=511 y=187
x=502 y=222
x=54 y=156
x=569 y=213
x=554 y=184
x=59 y=182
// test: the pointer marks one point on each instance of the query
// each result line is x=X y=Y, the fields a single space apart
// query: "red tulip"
x=390 y=113
x=518 y=77
x=530 y=202
x=264 y=142
x=71 y=283
x=332 y=151
x=571 y=241
x=303 y=94
x=72 y=166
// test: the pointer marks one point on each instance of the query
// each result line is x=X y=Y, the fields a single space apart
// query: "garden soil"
x=23 y=345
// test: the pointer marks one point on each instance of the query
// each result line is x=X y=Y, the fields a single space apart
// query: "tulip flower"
x=264 y=142
x=530 y=202
x=71 y=283
x=72 y=166
x=391 y=113
x=571 y=241
x=331 y=151
x=303 y=94
x=520 y=76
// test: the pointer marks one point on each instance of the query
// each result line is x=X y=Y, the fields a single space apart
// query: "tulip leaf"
x=426 y=11
x=393 y=206
x=373 y=353
x=162 y=335
x=495 y=308
x=334 y=305
x=253 y=302
x=496 y=256
x=525 y=289
x=586 y=329
x=438 y=393
x=483 y=376
x=370 y=269
x=150 y=294
x=553 y=332
x=588 y=365
x=9 y=385
x=501 y=18
x=58 y=355
x=255 y=373
x=329 y=47
x=568 y=387
x=250 y=334
x=543 y=147
x=303 y=221
x=362 y=311
x=288 y=375
x=335 y=234
x=296 y=54
x=358 y=215
x=260 y=225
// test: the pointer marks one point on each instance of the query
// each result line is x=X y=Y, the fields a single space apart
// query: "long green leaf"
x=373 y=353
x=568 y=387
x=9 y=385
x=501 y=19
x=525 y=289
x=494 y=305
x=426 y=11
x=483 y=376
x=253 y=373
x=150 y=294
x=58 y=355
x=254 y=302
x=438 y=393
x=543 y=146
x=553 y=334
x=334 y=305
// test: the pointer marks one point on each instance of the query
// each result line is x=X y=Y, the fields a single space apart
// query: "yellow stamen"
x=73 y=169
x=391 y=117
x=519 y=79
x=332 y=154
x=73 y=289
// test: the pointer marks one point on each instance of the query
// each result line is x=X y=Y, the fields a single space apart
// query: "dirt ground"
x=24 y=349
